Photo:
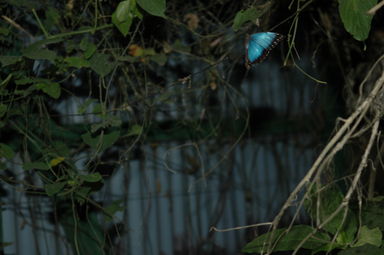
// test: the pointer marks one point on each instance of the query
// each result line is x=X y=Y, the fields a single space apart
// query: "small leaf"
x=101 y=64
x=286 y=241
x=50 y=88
x=346 y=227
x=111 y=209
x=95 y=177
x=88 y=48
x=102 y=141
x=154 y=7
x=53 y=18
x=24 y=81
x=6 y=151
x=108 y=121
x=37 y=53
x=77 y=62
x=35 y=165
x=363 y=250
x=250 y=14
x=160 y=59
x=123 y=26
x=56 y=161
x=4 y=31
x=124 y=10
x=3 y=110
x=84 y=106
x=9 y=60
x=369 y=236
x=135 y=130
x=354 y=15
x=123 y=16
x=54 y=188
x=82 y=193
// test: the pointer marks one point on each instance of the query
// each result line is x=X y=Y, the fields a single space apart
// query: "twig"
x=347 y=198
x=40 y=23
x=375 y=8
x=240 y=227
x=17 y=26
x=336 y=143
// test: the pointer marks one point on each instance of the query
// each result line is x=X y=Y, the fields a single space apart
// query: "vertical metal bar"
x=126 y=186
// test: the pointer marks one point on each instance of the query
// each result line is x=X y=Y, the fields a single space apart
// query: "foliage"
x=355 y=17
x=340 y=224
x=111 y=67
x=340 y=231
x=121 y=63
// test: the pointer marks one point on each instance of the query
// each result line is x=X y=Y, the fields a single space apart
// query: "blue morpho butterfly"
x=259 y=45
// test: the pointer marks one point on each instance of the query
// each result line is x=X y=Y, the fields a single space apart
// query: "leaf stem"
x=40 y=24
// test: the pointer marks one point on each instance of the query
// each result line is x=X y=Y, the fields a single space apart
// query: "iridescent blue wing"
x=259 y=45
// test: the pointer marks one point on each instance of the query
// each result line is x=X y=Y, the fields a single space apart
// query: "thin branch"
x=16 y=25
x=375 y=8
x=347 y=198
x=240 y=227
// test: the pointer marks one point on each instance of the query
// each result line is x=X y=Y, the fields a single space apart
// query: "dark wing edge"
x=279 y=38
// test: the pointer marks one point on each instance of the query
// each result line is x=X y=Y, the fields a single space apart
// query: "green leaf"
x=88 y=48
x=36 y=165
x=108 y=120
x=123 y=26
x=53 y=18
x=9 y=60
x=250 y=14
x=102 y=141
x=160 y=59
x=4 y=31
x=135 y=130
x=90 y=237
x=24 y=81
x=50 y=88
x=123 y=16
x=354 y=15
x=345 y=227
x=55 y=161
x=124 y=10
x=97 y=108
x=37 y=53
x=111 y=209
x=3 y=110
x=363 y=250
x=286 y=241
x=154 y=7
x=84 y=106
x=6 y=151
x=373 y=215
x=54 y=188
x=77 y=62
x=369 y=236
x=101 y=64
x=82 y=192
x=95 y=177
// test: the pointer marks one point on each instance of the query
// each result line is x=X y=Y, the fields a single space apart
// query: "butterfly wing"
x=260 y=44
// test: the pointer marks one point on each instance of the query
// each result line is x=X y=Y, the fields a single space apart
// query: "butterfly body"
x=259 y=45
